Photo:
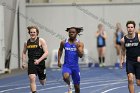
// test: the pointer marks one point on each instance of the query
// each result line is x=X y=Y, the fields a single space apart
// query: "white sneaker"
x=69 y=90
x=101 y=65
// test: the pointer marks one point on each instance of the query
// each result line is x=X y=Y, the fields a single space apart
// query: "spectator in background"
x=139 y=29
x=101 y=44
x=118 y=35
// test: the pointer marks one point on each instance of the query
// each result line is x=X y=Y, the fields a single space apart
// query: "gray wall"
x=2 y=39
x=58 y=17
x=53 y=19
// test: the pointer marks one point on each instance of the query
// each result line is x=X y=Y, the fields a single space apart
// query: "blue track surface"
x=93 y=80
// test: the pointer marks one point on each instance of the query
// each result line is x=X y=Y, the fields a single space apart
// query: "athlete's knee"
x=66 y=76
x=32 y=78
x=130 y=80
x=43 y=82
x=77 y=88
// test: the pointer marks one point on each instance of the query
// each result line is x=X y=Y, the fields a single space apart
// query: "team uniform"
x=100 y=41
x=119 y=36
x=132 y=52
x=71 y=61
x=35 y=52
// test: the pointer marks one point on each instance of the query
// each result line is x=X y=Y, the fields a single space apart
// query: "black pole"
x=18 y=36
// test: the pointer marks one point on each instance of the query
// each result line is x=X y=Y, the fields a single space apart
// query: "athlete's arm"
x=45 y=49
x=24 y=55
x=104 y=35
x=97 y=33
x=80 y=49
x=123 y=52
x=60 y=51
x=138 y=59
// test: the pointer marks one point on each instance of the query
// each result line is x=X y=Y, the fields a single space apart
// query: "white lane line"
x=102 y=81
x=98 y=80
x=100 y=85
x=13 y=89
x=113 y=89
x=25 y=84
x=63 y=86
x=52 y=88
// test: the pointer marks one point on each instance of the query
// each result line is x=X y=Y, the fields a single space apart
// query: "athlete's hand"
x=138 y=58
x=36 y=62
x=77 y=44
x=59 y=64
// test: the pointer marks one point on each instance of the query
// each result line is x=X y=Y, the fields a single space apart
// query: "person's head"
x=118 y=26
x=101 y=27
x=33 y=31
x=130 y=27
x=73 y=31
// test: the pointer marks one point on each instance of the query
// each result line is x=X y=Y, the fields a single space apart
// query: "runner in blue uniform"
x=130 y=44
x=73 y=50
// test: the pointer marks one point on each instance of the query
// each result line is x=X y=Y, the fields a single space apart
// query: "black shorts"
x=133 y=67
x=99 y=46
x=39 y=70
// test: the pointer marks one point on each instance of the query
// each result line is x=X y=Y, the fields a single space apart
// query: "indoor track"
x=93 y=80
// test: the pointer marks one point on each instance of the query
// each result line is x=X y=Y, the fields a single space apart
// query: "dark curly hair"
x=78 y=29
x=131 y=22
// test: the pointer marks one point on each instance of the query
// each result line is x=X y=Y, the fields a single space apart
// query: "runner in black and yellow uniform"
x=37 y=53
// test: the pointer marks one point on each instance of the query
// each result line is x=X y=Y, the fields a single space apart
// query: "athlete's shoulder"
x=62 y=42
x=139 y=36
x=80 y=42
x=41 y=39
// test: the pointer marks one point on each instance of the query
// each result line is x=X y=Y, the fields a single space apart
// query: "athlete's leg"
x=130 y=77
x=43 y=82
x=77 y=88
x=103 y=54
x=76 y=79
x=41 y=71
x=99 y=55
x=137 y=73
x=66 y=77
x=32 y=78
x=138 y=82
x=117 y=49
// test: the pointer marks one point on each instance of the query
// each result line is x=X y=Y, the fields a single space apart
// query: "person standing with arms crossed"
x=130 y=45
x=37 y=53
x=101 y=44
x=73 y=50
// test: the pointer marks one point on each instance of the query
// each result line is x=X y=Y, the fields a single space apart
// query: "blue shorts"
x=133 y=67
x=74 y=72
